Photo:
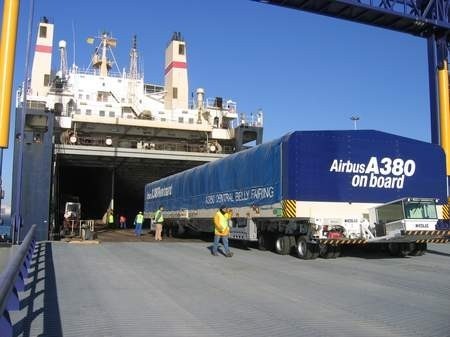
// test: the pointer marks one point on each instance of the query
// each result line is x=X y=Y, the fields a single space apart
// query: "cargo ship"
x=96 y=136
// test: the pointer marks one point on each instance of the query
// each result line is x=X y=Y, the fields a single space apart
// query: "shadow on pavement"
x=42 y=302
x=437 y=252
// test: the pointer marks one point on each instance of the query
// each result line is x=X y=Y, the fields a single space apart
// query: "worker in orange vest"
x=221 y=231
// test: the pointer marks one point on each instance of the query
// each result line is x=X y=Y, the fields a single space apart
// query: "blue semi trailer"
x=314 y=191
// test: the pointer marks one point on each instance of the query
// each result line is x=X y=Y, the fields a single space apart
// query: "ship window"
x=102 y=96
x=180 y=120
x=191 y=120
x=112 y=114
x=43 y=31
x=46 y=80
x=70 y=106
x=123 y=100
x=80 y=96
x=163 y=119
x=88 y=96
x=78 y=111
x=101 y=113
x=88 y=112
x=175 y=92
x=181 y=49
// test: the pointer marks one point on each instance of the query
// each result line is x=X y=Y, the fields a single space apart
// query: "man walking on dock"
x=221 y=231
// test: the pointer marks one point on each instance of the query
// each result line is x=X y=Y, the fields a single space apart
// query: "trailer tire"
x=418 y=249
x=337 y=251
x=180 y=230
x=303 y=249
x=263 y=241
x=393 y=249
x=326 y=251
x=282 y=245
x=315 y=250
x=292 y=242
x=399 y=249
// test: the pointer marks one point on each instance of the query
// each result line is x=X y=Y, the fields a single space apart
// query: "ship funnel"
x=175 y=74
x=42 y=60
x=63 y=59
x=200 y=97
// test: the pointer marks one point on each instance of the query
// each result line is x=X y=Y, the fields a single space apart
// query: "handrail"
x=10 y=275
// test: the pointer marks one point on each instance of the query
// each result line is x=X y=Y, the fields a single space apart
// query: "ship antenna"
x=133 y=72
x=73 y=38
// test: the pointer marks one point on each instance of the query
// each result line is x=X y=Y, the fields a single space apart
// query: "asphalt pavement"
x=179 y=289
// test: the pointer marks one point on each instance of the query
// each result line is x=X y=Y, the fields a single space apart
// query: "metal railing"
x=12 y=280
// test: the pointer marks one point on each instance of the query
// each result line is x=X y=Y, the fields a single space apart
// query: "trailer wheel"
x=303 y=249
x=337 y=251
x=263 y=241
x=393 y=249
x=315 y=250
x=326 y=251
x=418 y=249
x=399 y=249
x=282 y=245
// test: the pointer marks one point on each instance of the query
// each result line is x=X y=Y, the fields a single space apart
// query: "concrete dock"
x=180 y=289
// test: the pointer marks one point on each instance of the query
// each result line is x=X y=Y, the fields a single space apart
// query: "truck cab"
x=404 y=216
x=72 y=216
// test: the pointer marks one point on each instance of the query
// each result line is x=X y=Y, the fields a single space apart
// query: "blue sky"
x=306 y=72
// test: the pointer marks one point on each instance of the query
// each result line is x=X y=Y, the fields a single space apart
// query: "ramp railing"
x=12 y=280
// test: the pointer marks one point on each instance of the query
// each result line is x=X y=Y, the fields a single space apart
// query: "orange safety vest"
x=221 y=224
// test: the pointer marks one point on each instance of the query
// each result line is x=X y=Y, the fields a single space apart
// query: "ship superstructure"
x=100 y=131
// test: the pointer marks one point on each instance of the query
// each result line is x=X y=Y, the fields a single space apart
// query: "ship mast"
x=133 y=78
x=100 y=60
x=133 y=72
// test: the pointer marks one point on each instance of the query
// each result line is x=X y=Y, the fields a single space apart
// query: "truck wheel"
x=303 y=249
x=282 y=245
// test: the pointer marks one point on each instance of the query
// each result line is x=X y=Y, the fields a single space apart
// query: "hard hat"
x=140 y=212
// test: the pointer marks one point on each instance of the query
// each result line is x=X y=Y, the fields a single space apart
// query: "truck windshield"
x=420 y=210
